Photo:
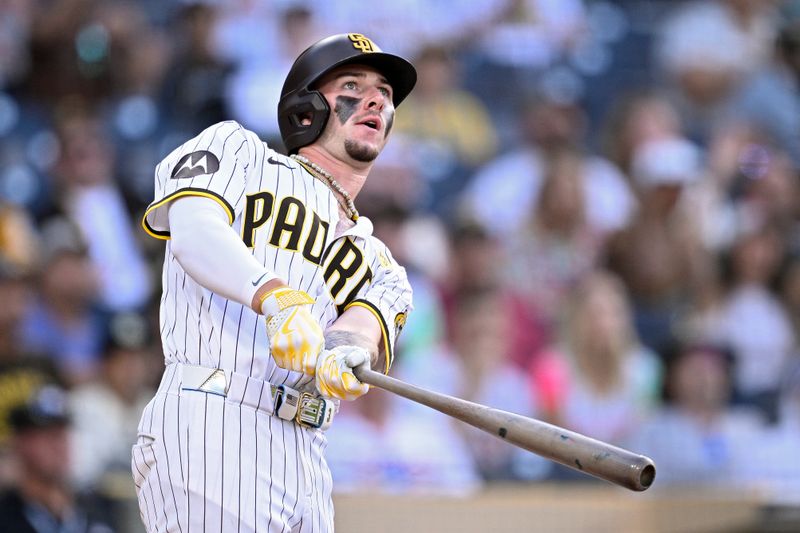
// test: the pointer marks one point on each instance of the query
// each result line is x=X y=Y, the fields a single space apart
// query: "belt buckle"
x=314 y=412
x=215 y=383
x=286 y=402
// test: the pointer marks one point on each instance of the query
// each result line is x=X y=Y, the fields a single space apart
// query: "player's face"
x=362 y=111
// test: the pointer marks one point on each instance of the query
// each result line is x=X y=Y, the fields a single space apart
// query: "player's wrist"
x=346 y=340
x=258 y=283
x=264 y=292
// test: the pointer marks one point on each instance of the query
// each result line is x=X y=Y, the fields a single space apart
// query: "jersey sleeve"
x=213 y=165
x=388 y=297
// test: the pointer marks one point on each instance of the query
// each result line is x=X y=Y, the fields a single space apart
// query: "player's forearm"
x=212 y=254
x=355 y=327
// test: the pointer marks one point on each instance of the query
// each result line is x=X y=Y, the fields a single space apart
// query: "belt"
x=287 y=403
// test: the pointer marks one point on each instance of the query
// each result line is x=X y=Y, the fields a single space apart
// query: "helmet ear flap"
x=300 y=106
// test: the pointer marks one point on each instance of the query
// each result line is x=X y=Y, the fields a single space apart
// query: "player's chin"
x=362 y=151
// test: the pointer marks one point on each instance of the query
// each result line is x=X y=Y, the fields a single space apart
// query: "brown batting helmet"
x=299 y=99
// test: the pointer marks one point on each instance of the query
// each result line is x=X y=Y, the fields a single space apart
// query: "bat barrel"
x=635 y=472
x=590 y=456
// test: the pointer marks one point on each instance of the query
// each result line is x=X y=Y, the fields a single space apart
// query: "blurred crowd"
x=597 y=203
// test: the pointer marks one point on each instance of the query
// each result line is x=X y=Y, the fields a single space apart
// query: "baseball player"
x=274 y=289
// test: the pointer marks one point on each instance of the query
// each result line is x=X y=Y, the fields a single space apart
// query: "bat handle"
x=365 y=374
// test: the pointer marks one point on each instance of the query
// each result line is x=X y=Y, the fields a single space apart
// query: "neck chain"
x=348 y=206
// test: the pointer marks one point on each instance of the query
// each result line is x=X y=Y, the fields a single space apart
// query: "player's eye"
x=350 y=85
x=385 y=91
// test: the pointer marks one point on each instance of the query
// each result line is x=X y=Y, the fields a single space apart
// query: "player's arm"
x=352 y=340
x=213 y=165
x=211 y=252
x=362 y=334
x=356 y=326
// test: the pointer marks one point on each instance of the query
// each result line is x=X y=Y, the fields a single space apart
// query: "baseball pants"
x=207 y=462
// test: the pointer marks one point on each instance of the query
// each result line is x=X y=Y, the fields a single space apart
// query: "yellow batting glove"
x=295 y=337
x=335 y=378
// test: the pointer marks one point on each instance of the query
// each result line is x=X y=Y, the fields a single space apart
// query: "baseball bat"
x=588 y=455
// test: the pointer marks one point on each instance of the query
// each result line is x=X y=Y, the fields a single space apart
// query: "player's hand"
x=295 y=337
x=335 y=378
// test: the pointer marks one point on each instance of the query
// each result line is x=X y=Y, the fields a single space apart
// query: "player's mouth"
x=373 y=122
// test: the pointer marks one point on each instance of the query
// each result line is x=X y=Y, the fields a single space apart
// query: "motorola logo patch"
x=195 y=164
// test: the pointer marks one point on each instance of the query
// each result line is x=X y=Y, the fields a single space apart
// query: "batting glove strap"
x=335 y=378
x=281 y=298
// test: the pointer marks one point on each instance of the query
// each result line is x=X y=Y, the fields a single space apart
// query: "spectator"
x=707 y=49
x=514 y=179
x=696 y=439
x=396 y=181
x=442 y=23
x=105 y=411
x=84 y=49
x=260 y=57
x=790 y=293
x=476 y=264
x=19 y=241
x=735 y=152
x=422 y=338
x=476 y=365
x=636 y=118
x=376 y=447
x=17 y=293
x=660 y=256
x=14 y=42
x=756 y=179
x=521 y=41
x=90 y=198
x=487 y=375
x=769 y=98
x=137 y=51
x=43 y=499
x=598 y=379
x=773 y=469
x=557 y=248
x=64 y=321
x=420 y=244
x=134 y=114
x=20 y=372
x=441 y=114
x=194 y=84
x=56 y=65
x=754 y=321
x=767 y=190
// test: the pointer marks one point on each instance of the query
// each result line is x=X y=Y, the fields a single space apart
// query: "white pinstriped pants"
x=208 y=463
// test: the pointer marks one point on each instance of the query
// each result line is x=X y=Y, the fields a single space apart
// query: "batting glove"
x=295 y=337
x=335 y=378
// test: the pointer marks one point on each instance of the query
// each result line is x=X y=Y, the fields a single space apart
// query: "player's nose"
x=376 y=99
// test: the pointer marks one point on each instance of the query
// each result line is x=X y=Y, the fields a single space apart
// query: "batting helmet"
x=299 y=100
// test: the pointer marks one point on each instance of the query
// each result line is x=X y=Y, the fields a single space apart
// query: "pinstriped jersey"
x=286 y=217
